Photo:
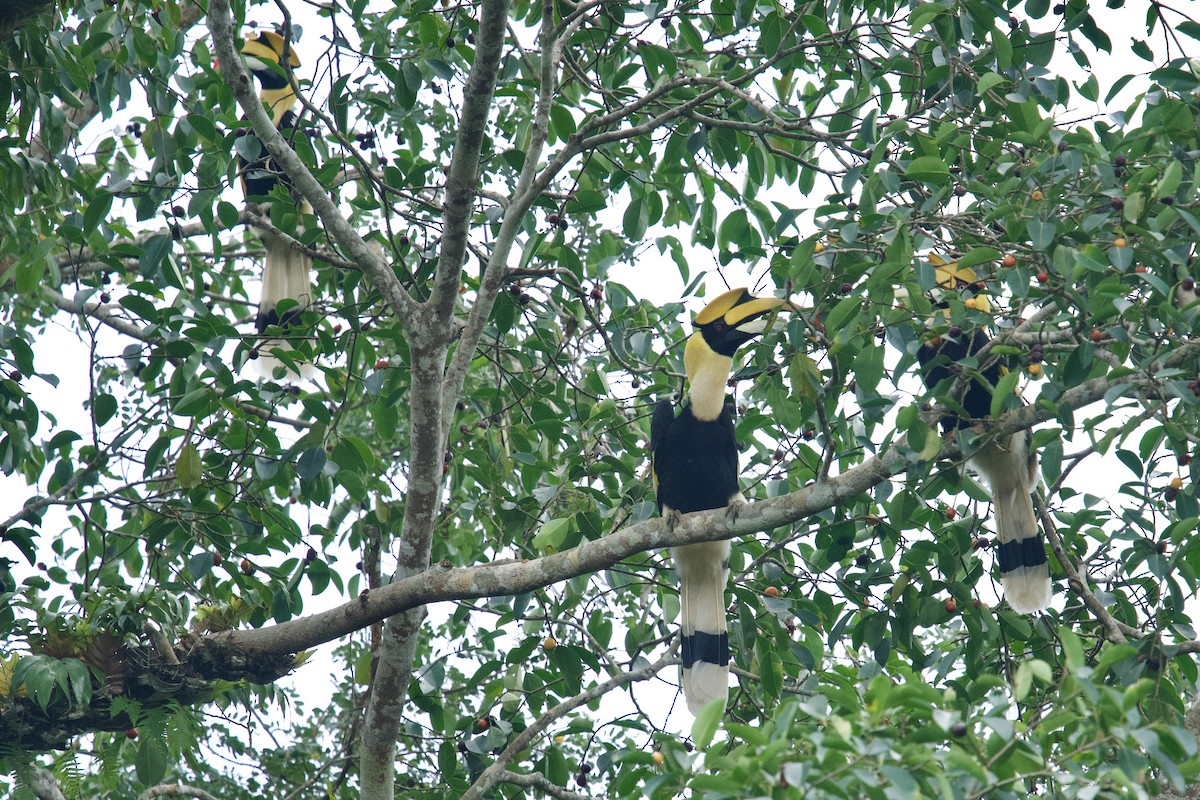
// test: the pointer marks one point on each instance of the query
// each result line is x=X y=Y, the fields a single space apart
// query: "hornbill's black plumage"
x=286 y=271
x=694 y=458
x=1007 y=463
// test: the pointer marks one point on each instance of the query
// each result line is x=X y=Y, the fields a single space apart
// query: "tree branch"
x=443 y=583
x=522 y=741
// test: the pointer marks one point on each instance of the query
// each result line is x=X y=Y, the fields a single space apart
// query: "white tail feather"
x=286 y=275
x=1011 y=474
x=703 y=571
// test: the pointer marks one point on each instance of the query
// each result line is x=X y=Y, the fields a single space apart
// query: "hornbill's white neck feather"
x=708 y=375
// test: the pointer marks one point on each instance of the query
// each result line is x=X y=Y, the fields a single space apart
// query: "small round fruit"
x=1188 y=283
x=960 y=190
x=1009 y=261
x=549 y=644
x=1177 y=483
x=1161 y=547
x=1097 y=334
x=971 y=303
x=847 y=288
x=1184 y=459
x=381 y=364
x=862 y=560
x=771 y=591
x=951 y=512
x=1120 y=161
x=819 y=247
x=552 y=219
x=1120 y=241
x=246 y=567
x=559 y=739
x=1037 y=196
x=1118 y=204
x=658 y=757
x=1043 y=277
x=959 y=729
x=132 y=733
x=951 y=606
x=482 y=724
x=955 y=331
x=217 y=559
x=1140 y=269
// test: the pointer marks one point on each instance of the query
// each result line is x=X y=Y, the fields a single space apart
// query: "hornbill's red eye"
x=718 y=326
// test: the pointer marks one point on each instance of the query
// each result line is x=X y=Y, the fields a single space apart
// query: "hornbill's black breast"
x=936 y=361
x=695 y=463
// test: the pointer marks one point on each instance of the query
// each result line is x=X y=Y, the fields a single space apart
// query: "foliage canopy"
x=500 y=189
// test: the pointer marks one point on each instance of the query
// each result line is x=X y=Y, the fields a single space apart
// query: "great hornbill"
x=694 y=460
x=1007 y=463
x=286 y=271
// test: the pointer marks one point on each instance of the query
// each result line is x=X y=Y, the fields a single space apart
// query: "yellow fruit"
x=658 y=757
x=549 y=644
x=971 y=303
x=1037 y=196
x=1120 y=242
x=1035 y=370
x=819 y=247
x=1177 y=483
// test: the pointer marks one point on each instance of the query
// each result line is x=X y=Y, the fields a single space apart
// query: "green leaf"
x=771 y=673
x=1005 y=387
x=97 y=211
x=706 y=723
x=151 y=761
x=989 y=81
x=104 y=407
x=153 y=252
x=927 y=169
x=552 y=534
x=1041 y=233
x=1168 y=184
x=310 y=463
x=188 y=470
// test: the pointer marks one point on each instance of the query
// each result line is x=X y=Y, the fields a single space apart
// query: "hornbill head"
x=736 y=317
x=263 y=52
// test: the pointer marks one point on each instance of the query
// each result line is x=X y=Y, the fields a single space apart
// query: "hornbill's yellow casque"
x=694 y=458
x=1007 y=463
x=286 y=272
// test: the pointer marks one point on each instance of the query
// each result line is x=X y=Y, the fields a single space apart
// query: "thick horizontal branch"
x=444 y=583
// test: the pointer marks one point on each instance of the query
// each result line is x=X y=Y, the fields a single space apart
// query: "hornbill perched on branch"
x=694 y=460
x=1007 y=463
x=286 y=271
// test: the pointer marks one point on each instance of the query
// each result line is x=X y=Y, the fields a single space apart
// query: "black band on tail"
x=1019 y=553
x=265 y=319
x=711 y=648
